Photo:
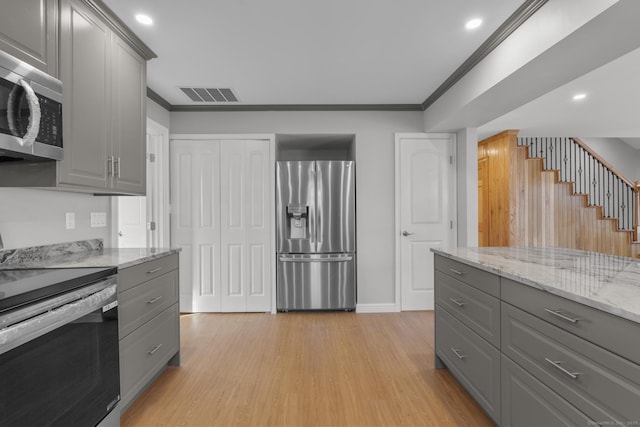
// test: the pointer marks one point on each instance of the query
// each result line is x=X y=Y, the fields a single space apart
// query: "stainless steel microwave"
x=30 y=112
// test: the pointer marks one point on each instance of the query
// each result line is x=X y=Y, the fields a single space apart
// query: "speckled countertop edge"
x=614 y=288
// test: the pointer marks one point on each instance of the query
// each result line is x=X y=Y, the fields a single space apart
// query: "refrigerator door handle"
x=337 y=258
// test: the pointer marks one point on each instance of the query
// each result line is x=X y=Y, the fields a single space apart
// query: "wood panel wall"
x=528 y=206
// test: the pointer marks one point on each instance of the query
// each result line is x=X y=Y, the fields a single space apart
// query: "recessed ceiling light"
x=473 y=24
x=579 y=96
x=144 y=19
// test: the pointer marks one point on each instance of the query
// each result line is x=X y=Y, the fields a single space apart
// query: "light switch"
x=98 y=219
x=70 y=218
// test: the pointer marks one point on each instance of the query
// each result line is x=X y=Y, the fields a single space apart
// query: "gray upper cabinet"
x=128 y=118
x=86 y=74
x=104 y=110
x=28 y=31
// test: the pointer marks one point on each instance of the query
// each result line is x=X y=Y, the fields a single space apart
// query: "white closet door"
x=195 y=222
x=245 y=225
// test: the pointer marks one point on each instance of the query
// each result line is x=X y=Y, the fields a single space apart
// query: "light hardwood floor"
x=306 y=369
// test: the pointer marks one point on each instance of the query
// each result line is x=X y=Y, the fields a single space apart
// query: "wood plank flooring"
x=306 y=369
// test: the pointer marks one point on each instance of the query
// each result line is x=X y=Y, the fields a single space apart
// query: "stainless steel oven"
x=59 y=358
x=30 y=112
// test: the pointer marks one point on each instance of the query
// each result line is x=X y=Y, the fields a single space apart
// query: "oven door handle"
x=32 y=328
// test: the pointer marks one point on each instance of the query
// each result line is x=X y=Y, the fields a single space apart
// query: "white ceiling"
x=310 y=52
x=610 y=110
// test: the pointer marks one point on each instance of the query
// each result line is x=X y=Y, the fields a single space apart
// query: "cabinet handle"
x=156 y=348
x=116 y=164
x=110 y=166
x=556 y=364
x=458 y=272
x=154 y=300
x=155 y=270
x=562 y=316
x=457 y=302
x=458 y=353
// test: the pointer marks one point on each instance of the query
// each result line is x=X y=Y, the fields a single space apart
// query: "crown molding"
x=121 y=28
x=512 y=23
x=152 y=95
x=299 y=107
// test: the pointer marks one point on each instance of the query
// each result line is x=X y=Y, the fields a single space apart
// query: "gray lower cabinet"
x=526 y=402
x=28 y=31
x=560 y=363
x=599 y=383
x=472 y=360
x=149 y=323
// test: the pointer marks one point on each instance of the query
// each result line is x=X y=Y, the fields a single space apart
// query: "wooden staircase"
x=523 y=204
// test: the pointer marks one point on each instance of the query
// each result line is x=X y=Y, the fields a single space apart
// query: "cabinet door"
x=28 y=31
x=128 y=118
x=245 y=225
x=526 y=402
x=85 y=73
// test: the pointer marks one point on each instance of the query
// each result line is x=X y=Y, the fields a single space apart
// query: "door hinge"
x=151 y=157
x=152 y=225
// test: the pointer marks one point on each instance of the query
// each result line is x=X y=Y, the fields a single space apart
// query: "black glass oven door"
x=67 y=377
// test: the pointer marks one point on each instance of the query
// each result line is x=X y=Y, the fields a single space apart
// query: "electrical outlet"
x=98 y=219
x=70 y=220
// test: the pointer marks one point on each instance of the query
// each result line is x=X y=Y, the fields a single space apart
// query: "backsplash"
x=10 y=257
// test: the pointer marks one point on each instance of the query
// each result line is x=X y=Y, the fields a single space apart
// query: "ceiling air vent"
x=201 y=94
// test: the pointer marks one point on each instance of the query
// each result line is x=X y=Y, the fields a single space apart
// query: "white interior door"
x=132 y=222
x=195 y=222
x=425 y=210
x=140 y=222
x=245 y=225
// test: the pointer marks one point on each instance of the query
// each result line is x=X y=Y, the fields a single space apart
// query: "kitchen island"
x=541 y=336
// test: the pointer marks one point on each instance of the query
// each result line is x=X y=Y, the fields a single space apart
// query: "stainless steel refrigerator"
x=315 y=214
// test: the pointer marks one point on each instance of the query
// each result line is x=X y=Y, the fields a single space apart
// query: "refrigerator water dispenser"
x=298 y=215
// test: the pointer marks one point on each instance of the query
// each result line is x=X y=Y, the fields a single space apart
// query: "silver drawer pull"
x=156 y=348
x=458 y=353
x=556 y=364
x=155 y=270
x=154 y=300
x=457 y=302
x=562 y=316
x=458 y=272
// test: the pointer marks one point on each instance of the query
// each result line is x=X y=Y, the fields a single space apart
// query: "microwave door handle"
x=34 y=115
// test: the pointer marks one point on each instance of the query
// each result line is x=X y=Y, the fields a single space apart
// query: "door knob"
x=405 y=233
x=120 y=233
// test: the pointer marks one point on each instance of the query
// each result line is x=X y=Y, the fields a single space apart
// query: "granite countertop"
x=86 y=253
x=606 y=282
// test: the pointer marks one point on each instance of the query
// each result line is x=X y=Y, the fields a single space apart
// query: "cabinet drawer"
x=526 y=402
x=603 y=329
x=471 y=359
x=477 y=310
x=141 y=303
x=136 y=274
x=604 y=386
x=144 y=352
x=483 y=280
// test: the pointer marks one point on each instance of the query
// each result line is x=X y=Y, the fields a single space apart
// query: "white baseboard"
x=376 y=308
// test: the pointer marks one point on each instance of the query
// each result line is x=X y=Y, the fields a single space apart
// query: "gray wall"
x=618 y=154
x=374 y=174
x=158 y=113
x=31 y=217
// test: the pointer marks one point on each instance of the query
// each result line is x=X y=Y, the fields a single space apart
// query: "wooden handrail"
x=606 y=164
